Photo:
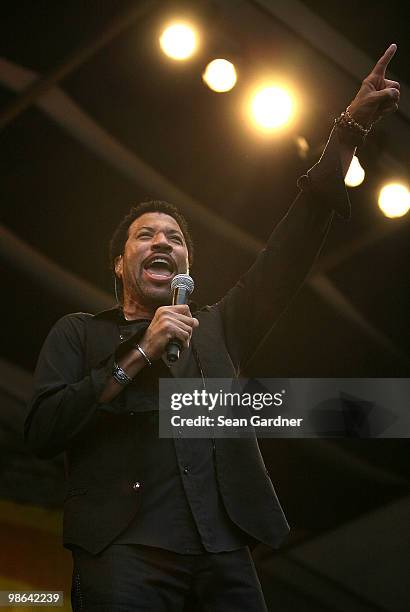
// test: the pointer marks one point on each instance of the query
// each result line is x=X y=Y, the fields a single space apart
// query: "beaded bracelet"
x=119 y=375
x=357 y=131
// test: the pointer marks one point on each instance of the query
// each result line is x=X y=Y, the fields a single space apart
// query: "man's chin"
x=152 y=295
x=158 y=297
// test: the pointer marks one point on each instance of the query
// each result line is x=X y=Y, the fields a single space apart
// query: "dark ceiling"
x=64 y=200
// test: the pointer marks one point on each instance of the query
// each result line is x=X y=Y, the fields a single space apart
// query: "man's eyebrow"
x=168 y=230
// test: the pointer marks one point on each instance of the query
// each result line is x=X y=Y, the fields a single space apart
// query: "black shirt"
x=181 y=507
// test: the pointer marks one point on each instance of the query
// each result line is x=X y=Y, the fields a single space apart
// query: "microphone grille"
x=183 y=281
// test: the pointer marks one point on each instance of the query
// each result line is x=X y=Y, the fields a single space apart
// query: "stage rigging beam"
x=41 y=84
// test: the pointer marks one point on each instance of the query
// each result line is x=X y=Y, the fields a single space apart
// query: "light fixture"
x=272 y=107
x=394 y=200
x=220 y=75
x=355 y=174
x=179 y=41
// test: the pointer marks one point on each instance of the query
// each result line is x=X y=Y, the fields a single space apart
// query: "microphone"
x=182 y=285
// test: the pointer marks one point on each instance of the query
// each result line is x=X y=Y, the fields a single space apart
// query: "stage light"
x=355 y=174
x=394 y=200
x=179 y=41
x=220 y=75
x=272 y=108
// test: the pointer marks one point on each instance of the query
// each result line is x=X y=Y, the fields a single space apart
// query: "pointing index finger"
x=380 y=67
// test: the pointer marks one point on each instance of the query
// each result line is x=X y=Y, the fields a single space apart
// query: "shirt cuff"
x=325 y=179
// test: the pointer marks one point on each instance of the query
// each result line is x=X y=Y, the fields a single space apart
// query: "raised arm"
x=376 y=98
x=254 y=305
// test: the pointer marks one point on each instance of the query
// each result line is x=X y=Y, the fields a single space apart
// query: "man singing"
x=165 y=524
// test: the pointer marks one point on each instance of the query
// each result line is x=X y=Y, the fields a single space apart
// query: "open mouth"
x=159 y=268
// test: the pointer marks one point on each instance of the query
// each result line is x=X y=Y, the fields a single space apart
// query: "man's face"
x=154 y=252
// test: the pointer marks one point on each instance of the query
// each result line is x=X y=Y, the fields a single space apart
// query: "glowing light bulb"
x=394 y=200
x=272 y=108
x=220 y=75
x=355 y=174
x=179 y=41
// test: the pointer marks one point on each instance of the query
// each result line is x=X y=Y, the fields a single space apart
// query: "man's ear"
x=118 y=262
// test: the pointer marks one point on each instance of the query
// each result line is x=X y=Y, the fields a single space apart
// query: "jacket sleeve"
x=64 y=401
x=253 y=306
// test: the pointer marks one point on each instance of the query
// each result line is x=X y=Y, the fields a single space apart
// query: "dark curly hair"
x=120 y=235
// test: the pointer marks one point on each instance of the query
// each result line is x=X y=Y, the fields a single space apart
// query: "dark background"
x=346 y=499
